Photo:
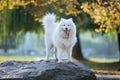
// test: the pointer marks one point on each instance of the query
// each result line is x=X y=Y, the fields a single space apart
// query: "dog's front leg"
x=59 y=55
x=69 y=52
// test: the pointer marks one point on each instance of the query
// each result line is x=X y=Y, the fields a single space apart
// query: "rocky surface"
x=42 y=70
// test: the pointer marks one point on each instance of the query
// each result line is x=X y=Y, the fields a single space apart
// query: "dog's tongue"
x=67 y=32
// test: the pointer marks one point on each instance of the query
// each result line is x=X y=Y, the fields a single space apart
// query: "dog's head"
x=67 y=27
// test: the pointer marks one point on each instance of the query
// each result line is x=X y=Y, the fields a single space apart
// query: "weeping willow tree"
x=5 y=16
x=14 y=21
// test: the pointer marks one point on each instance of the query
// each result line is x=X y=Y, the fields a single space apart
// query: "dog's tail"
x=48 y=20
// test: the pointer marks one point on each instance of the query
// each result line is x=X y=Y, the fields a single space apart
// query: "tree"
x=105 y=13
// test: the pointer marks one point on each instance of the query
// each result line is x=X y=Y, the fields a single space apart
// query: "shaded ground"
x=104 y=71
x=101 y=66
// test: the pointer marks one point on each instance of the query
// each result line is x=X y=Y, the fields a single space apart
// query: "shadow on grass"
x=114 y=66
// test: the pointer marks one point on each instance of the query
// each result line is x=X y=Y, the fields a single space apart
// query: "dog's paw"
x=56 y=59
x=47 y=60
x=70 y=60
x=59 y=62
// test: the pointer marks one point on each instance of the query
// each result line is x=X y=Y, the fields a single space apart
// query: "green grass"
x=19 y=58
x=103 y=60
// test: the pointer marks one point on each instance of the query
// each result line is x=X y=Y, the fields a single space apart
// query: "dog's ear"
x=70 y=19
x=62 y=19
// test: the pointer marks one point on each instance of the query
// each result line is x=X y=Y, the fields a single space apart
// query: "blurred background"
x=98 y=30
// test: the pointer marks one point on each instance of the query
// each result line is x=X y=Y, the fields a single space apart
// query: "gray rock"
x=42 y=70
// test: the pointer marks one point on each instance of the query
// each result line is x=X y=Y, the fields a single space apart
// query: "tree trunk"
x=6 y=44
x=118 y=34
x=77 y=53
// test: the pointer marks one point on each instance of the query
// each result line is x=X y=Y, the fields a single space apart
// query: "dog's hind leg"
x=48 y=48
x=55 y=51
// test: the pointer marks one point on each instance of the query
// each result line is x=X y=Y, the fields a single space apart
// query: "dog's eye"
x=64 y=25
x=68 y=25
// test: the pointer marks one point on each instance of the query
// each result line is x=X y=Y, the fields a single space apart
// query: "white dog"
x=61 y=36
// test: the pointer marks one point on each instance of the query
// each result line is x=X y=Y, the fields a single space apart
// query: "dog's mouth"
x=67 y=32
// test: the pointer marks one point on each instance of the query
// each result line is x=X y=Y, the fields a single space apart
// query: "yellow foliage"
x=61 y=10
x=11 y=6
x=49 y=2
x=1 y=7
x=107 y=16
x=97 y=30
x=110 y=27
x=85 y=7
x=4 y=3
x=36 y=19
x=54 y=0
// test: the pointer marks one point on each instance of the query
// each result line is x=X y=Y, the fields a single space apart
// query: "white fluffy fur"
x=56 y=36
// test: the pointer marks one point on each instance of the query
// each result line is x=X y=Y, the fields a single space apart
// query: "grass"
x=101 y=60
x=18 y=58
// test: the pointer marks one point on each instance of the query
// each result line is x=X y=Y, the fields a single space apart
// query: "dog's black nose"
x=66 y=28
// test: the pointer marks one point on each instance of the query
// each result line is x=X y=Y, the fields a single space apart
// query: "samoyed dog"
x=59 y=35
